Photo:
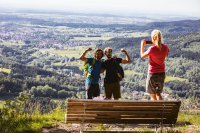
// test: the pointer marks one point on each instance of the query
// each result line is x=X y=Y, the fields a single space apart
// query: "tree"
x=62 y=94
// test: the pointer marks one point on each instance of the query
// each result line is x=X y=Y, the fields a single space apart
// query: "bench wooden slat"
x=124 y=121
x=123 y=102
x=114 y=106
x=113 y=118
x=120 y=104
x=120 y=115
x=120 y=109
x=96 y=107
x=123 y=112
x=118 y=101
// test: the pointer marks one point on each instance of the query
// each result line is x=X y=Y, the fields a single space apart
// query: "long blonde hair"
x=158 y=34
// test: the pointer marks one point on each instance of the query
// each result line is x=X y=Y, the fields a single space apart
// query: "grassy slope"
x=5 y=70
x=1 y=104
x=68 y=51
x=31 y=123
x=187 y=122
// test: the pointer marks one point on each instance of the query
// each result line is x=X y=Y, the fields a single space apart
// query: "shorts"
x=112 y=89
x=155 y=83
x=92 y=90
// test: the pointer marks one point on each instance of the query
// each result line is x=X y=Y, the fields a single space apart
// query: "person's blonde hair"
x=158 y=34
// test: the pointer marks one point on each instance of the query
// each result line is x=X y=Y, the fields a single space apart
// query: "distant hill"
x=141 y=23
x=183 y=60
x=31 y=67
x=182 y=32
x=177 y=27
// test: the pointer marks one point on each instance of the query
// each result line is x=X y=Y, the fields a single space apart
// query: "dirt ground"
x=116 y=128
x=75 y=128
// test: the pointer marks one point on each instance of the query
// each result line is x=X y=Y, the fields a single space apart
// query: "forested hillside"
x=183 y=67
x=40 y=57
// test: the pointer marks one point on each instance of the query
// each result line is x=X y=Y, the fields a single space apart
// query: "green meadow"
x=131 y=72
x=10 y=43
x=68 y=51
x=1 y=104
x=170 y=78
x=5 y=70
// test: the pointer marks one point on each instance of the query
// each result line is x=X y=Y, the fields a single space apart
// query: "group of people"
x=156 y=53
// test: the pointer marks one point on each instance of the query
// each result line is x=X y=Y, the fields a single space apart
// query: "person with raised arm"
x=112 y=79
x=157 y=53
x=93 y=69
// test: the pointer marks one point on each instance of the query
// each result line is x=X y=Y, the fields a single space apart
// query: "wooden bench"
x=82 y=111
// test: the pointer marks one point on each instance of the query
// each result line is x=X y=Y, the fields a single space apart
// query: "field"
x=170 y=78
x=10 y=43
x=131 y=72
x=139 y=34
x=1 y=104
x=68 y=51
x=5 y=70
x=91 y=38
x=194 y=47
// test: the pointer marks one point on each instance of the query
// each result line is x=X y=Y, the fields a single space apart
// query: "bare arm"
x=167 y=53
x=142 y=53
x=127 y=59
x=82 y=57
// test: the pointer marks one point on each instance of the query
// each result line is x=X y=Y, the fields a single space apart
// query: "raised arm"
x=142 y=53
x=82 y=57
x=127 y=59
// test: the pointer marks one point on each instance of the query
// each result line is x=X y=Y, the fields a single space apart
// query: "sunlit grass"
x=68 y=51
x=170 y=78
x=108 y=36
x=10 y=43
x=5 y=70
x=131 y=72
x=58 y=64
x=1 y=104
x=79 y=64
x=15 y=120
x=139 y=34
x=192 y=117
x=193 y=47
x=37 y=53
x=91 y=38
x=188 y=121
x=35 y=122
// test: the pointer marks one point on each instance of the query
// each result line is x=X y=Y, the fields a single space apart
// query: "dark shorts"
x=155 y=83
x=112 y=89
x=92 y=91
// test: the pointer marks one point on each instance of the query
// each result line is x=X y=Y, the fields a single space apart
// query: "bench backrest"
x=121 y=112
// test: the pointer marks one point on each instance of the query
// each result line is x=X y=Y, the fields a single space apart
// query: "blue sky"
x=121 y=7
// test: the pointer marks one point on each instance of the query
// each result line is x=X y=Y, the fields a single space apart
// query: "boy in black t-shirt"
x=111 y=81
